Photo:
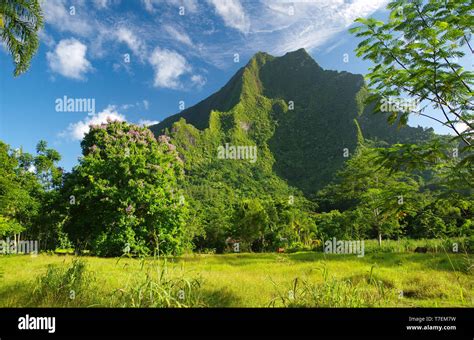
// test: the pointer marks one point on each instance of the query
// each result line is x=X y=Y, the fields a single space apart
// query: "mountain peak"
x=301 y=57
x=299 y=115
x=259 y=59
x=298 y=52
x=275 y=77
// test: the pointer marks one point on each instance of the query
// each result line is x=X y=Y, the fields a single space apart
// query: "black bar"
x=241 y=323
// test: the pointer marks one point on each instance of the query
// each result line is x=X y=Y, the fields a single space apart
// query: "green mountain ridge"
x=304 y=120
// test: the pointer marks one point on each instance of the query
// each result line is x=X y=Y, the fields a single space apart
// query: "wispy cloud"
x=102 y=4
x=279 y=27
x=209 y=33
x=66 y=17
x=232 y=13
x=127 y=36
x=190 y=6
x=198 y=80
x=178 y=35
x=146 y=122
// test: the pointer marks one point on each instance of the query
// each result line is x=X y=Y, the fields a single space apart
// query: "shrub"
x=62 y=286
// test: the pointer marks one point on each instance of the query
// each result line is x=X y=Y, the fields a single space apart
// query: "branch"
x=441 y=106
x=446 y=60
x=439 y=100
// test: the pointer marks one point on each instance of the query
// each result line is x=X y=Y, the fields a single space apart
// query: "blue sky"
x=139 y=58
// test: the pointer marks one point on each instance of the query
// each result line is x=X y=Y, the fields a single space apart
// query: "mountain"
x=305 y=122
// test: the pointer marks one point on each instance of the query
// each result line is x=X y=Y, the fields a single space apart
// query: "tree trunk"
x=380 y=239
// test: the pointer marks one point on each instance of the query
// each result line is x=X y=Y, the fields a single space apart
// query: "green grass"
x=239 y=280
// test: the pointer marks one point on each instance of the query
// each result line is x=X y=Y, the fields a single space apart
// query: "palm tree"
x=20 y=21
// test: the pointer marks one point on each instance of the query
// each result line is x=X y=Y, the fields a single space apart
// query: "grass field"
x=238 y=280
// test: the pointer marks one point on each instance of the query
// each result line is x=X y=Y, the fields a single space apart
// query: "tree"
x=20 y=22
x=47 y=224
x=416 y=54
x=124 y=193
x=19 y=191
x=380 y=198
x=250 y=221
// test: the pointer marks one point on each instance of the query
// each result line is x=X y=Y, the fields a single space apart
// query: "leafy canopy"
x=416 y=54
x=20 y=22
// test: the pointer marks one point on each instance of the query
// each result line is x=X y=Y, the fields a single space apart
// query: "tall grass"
x=332 y=292
x=438 y=245
x=64 y=286
x=153 y=286
x=160 y=289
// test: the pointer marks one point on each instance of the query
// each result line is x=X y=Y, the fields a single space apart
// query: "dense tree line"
x=134 y=193
x=129 y=194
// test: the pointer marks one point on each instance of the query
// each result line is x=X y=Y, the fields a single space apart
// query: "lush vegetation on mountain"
x=285 y=155
x=315 y=174
x=319 y=146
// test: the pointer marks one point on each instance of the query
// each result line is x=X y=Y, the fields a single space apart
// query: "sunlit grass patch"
x=237 y=280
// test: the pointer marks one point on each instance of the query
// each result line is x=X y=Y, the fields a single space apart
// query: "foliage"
x=253 y=108
x=416 y=53
x=19 y=193
x=61 y=285
x=124 y=196
x=20 y=23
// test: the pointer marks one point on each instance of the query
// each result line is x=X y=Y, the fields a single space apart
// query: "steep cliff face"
x=305 y=122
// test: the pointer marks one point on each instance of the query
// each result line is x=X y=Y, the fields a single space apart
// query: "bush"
x=62 y=286
x=298 y=246
x=409 y=245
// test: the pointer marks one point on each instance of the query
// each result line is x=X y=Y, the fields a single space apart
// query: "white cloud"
x=148 y=4
x=126 y=36
x=146 y=104
x=198 y=80
x=46 y=39
x=146 y=122
x=178 y=35
x=69 y=59
x=461 y=127
x=190 y=6
x=169 y=66
x=77 y=131
x=66 y=18
x=101 y=4
x=125 y=107
x=268 y=25
x=233 y=14
x=278 y=27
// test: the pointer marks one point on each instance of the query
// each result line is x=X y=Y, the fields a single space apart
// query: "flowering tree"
x=123 y=196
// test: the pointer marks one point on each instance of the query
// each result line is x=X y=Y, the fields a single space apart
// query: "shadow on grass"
x=241 y=259
x=222 y=297
x=16 y=295
x=435 y=261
